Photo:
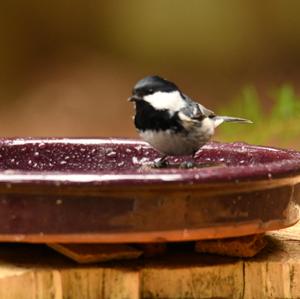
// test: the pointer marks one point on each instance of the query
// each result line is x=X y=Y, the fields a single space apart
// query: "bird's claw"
x=160 y=164
x=187 y=165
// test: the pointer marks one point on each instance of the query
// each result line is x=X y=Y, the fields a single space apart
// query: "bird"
x=170 y=121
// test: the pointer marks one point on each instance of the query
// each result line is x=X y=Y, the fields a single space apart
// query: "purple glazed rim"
x=242 y=162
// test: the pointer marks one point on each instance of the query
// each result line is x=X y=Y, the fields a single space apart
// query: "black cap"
x=152 y=84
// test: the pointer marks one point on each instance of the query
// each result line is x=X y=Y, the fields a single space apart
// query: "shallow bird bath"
x=104 y=191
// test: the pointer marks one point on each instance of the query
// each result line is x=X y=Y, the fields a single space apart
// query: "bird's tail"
x=221 y=119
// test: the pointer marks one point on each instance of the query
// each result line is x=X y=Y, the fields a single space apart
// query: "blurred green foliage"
x=278 y=125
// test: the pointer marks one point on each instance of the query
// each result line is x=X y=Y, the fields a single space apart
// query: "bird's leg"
x=189 y=164
x=194 y=155
x=161 y=162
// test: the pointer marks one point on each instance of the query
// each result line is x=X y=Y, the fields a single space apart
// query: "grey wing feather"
x=206 y=111
x=195 y=110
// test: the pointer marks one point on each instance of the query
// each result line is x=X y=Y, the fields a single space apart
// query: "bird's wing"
x=196 y=111
x=205 y=111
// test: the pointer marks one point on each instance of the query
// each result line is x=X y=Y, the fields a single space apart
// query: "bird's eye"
x=150 y=90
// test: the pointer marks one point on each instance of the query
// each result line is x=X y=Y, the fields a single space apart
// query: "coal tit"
x=170 y=121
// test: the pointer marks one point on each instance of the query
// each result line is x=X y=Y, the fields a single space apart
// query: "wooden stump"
x=37 y=272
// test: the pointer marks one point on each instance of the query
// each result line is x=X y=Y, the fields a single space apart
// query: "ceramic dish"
x=105 y=191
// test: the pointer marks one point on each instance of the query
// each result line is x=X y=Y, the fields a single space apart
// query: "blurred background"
x=68 y=66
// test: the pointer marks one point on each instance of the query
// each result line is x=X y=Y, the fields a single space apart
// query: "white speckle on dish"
x=138 y=147
x=121 y=163
x=135 y=160
x=111 y=154
x=143 y=160
x=63 y=162
x=29 y=162
x=41 y=144
x=269 y=175
x=128 y=150
x=36 y=154
x=59 y=202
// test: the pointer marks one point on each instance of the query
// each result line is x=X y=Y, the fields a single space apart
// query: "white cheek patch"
x=208 y=126
x=166 y=100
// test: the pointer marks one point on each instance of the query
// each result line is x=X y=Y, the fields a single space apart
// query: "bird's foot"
x=187 y=165
x=161 y=163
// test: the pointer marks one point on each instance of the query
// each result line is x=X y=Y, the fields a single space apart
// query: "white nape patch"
x=208 y=126
x=166 y=100
x=218 y=121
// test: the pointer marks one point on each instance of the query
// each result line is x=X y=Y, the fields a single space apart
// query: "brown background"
x=67 y=67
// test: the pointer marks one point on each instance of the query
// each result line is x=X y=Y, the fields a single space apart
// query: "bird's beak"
x=133 y=98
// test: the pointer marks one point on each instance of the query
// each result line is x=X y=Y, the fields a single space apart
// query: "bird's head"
x=158 y=92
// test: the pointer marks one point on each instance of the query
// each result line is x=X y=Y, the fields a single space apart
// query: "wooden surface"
x=37 y=272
